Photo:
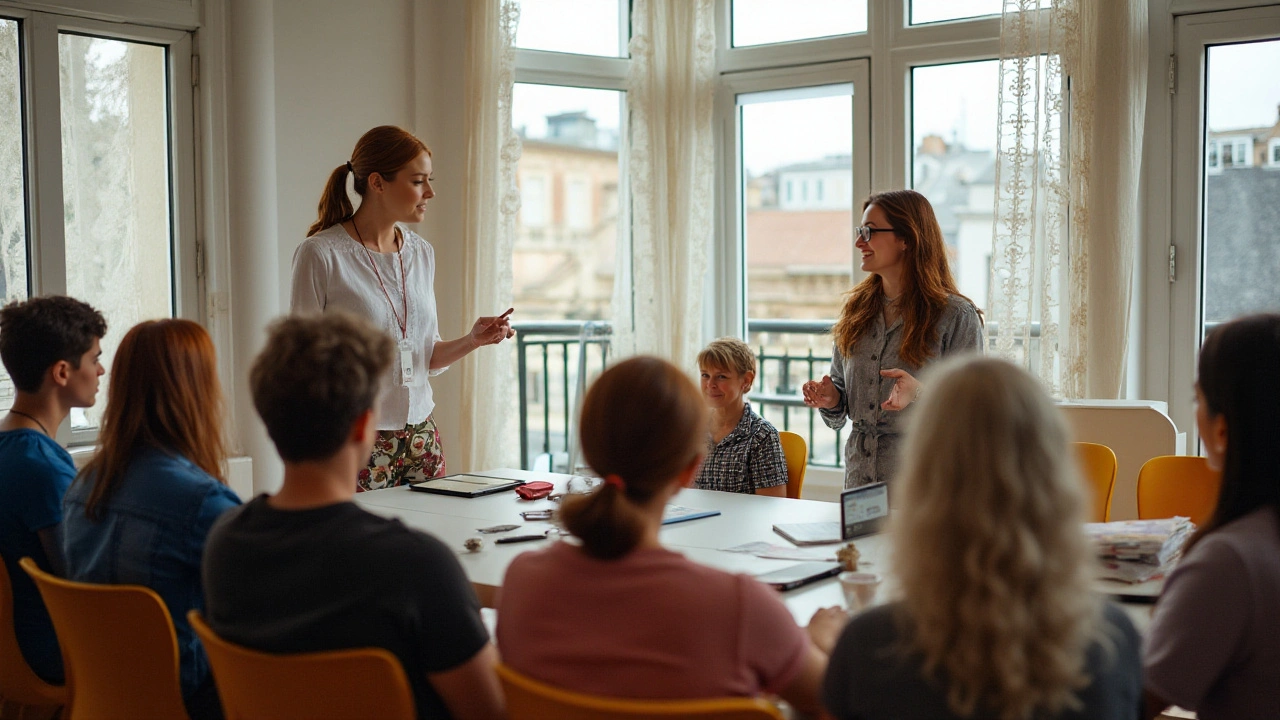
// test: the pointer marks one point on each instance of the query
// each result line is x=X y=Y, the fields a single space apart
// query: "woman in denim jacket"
x=139 y=512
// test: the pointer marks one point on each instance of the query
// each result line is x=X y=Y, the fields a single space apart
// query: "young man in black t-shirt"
x=306 y=569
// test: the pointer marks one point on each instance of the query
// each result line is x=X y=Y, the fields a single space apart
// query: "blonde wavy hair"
x=994 y=568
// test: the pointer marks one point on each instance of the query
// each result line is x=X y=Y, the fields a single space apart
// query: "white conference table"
x=742 y=519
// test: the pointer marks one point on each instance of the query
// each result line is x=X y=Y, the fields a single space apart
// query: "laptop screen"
x=862 y=509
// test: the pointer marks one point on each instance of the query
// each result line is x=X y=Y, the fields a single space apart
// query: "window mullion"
x=44 y=153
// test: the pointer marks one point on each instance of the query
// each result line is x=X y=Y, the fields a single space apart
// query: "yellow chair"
x=1098 y=465
x=18 y=683
x=119 y=648
x=363 y=682
x=796 y=450
x=528 y=699
x=1178 y=485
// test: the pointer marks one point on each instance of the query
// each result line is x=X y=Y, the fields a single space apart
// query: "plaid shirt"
x=748 y=458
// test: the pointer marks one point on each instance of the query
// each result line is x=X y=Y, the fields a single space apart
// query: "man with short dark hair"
x=51 y=348
x=307 y=569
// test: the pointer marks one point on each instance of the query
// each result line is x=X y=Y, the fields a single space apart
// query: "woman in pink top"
x=1214 y=643
x=621 y=616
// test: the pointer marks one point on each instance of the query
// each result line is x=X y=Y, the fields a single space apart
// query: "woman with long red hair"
x=139 y=512
x=906 y=314
x=367 y=261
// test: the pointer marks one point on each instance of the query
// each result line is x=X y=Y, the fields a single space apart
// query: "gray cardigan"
x=871 y=451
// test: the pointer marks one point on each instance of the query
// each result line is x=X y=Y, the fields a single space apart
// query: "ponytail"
x=606 y=521
x=383 y=150
x=644 y=422
x=335 y=206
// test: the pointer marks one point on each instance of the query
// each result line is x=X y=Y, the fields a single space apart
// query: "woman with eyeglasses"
x=906 y=314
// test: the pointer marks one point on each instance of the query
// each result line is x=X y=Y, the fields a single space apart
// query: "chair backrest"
x=1172 y=485
x=1098 y=466
x=364 y=682
x=529 y=699
x=796 y=450
x=118 y=647
x=18 y=683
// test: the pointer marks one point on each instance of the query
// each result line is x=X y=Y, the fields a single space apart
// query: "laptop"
x=862 y=510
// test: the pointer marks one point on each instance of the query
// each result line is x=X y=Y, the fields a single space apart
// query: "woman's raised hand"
x=492 y=330
x=905 y=389
x=822 y=395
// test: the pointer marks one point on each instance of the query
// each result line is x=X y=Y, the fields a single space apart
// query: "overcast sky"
x=957 y=102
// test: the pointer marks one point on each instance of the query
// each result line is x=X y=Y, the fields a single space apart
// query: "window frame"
x=1181 y=293
x=42 y=144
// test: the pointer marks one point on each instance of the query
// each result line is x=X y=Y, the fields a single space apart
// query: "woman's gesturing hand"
x=905 y=389
x=823 y=395
x=492 y=330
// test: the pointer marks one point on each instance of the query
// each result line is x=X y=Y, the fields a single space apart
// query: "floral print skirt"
x=404 y=456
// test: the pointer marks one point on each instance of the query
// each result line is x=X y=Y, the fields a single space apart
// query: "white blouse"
x=331 y=269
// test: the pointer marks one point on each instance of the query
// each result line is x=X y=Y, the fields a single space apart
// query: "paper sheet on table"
x=783 y=552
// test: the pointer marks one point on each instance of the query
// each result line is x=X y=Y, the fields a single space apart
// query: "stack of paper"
x=1139 y=550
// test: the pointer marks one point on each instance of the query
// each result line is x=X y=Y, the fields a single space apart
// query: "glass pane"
x=567 y=230
x=581 y=27
x=928 y=11
x=799 y=212
x=953 y=124
x=13 y=216
x=761 y=22
x=115 y=184
x=1242 y=181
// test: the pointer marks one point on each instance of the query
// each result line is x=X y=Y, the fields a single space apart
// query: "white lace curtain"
x=492 y=201
x=1069 y=145
x=670 y=92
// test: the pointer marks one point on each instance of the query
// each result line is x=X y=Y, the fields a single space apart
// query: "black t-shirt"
x=339 y=577
x=870 y=678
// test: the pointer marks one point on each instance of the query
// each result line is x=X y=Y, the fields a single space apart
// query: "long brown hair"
x=644 y=421
x=927 y=285
x=383 y=150
x=164 y=394
x=1238 y=380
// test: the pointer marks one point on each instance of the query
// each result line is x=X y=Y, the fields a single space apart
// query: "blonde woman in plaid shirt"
x=744 y=454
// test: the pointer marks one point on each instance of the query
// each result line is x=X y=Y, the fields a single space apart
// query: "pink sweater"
x=651 y=625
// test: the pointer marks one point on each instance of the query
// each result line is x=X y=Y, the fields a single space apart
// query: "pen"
x=518 y=538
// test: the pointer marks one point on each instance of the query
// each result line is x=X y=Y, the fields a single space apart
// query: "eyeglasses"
x=864 y=233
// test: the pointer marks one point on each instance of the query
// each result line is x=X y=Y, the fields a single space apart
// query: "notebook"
x=465 y=485
x=677 y=513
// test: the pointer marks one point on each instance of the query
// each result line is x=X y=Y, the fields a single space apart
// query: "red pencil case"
x=535 y=490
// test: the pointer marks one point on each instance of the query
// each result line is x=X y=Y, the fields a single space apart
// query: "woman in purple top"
x=1214 y=643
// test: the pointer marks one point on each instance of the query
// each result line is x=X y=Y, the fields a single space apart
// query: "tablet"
x=794 y=576
x=465 y=485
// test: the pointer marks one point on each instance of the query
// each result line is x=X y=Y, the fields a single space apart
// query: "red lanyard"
x=404 y=286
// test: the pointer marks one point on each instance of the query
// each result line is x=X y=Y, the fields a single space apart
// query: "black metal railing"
x=788 y=353
x=551 y=358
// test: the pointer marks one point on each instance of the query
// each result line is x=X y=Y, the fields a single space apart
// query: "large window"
x=571 y=249
x=819 y=110
x=102 y=193
x=1221 y=260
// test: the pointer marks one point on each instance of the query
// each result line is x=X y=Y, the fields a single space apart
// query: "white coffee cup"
x=859 y=589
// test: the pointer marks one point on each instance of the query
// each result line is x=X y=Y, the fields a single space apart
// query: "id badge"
x=406 y=364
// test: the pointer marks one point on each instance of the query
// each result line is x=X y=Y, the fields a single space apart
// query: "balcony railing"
x=553 y=355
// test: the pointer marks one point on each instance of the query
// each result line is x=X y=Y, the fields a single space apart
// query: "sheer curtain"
x=1073 y=82
x=670 y=92
x=492 y=201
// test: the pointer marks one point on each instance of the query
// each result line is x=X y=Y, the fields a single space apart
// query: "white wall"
x=339 y=68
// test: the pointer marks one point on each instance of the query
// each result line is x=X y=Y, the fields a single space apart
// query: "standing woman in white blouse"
x=365 y=261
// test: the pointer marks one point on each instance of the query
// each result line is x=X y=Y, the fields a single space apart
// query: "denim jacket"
x=152 y=533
